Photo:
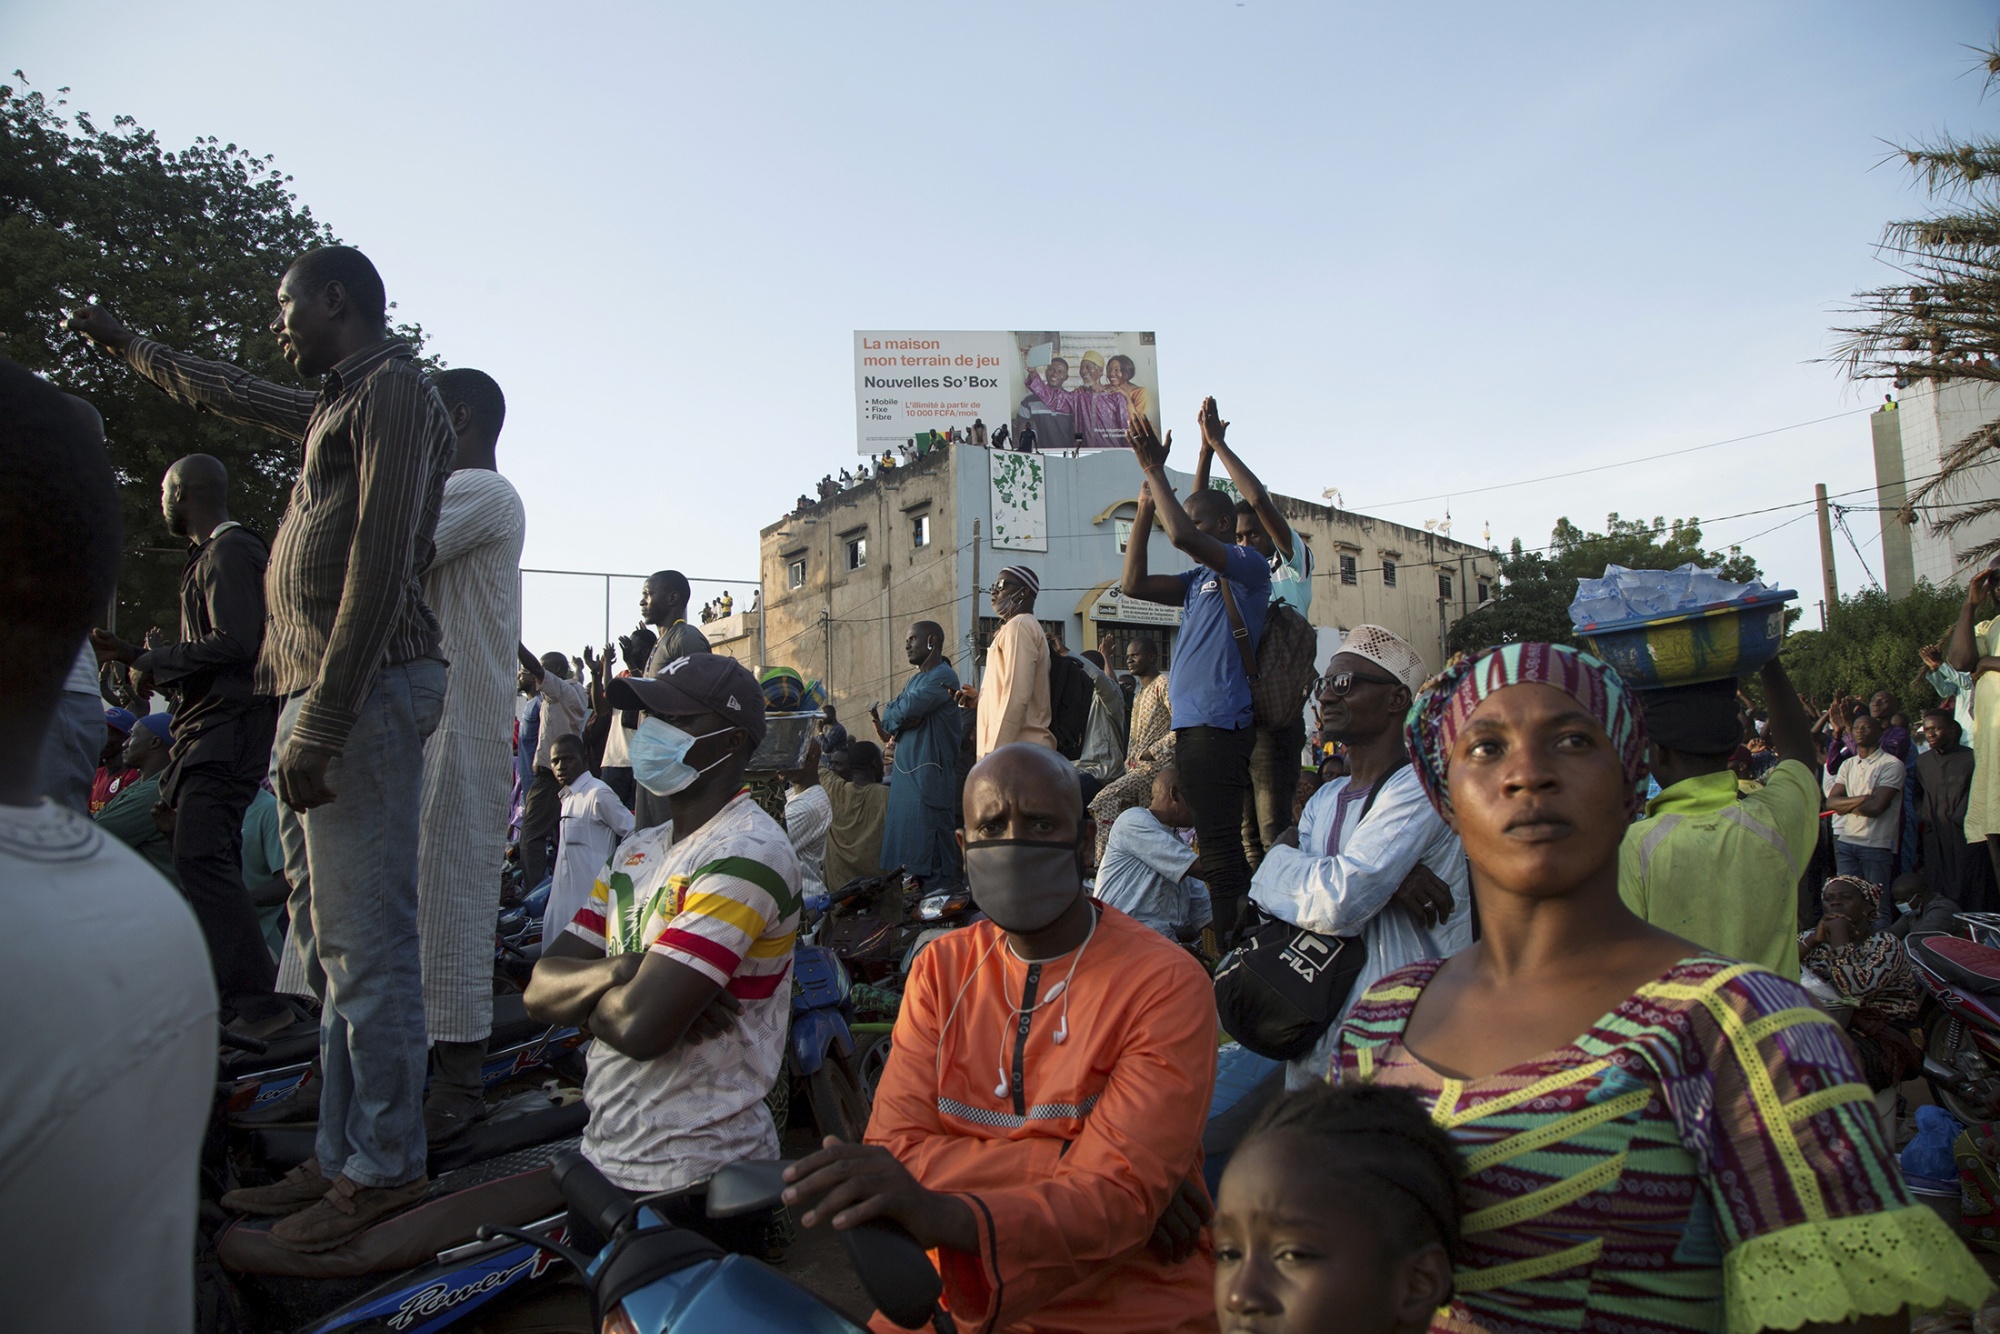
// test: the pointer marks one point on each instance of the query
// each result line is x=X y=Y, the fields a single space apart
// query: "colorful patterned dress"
x=1705 y=1157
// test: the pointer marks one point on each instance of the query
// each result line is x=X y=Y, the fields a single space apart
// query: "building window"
x=1388 y=573
x=1122 y=527
x=920 y=531
x=1350 y=571
x=795 y=573
x=1444 y=584
x=857 y=552
x=1485 y=590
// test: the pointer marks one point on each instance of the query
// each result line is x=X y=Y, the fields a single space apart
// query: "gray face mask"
x=1023 y=884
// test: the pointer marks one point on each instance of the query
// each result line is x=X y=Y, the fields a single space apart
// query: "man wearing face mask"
x=1040 y=1124
x=687 y=937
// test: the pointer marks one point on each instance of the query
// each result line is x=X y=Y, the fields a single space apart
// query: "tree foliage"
x=186 y=247
x=1870 y=643
x=1942 y=320
x=1538 y=586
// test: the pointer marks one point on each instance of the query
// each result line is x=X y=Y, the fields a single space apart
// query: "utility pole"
x=1827 y=577
x=972 y=663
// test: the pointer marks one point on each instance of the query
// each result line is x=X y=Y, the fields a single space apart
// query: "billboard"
x=1020 y=389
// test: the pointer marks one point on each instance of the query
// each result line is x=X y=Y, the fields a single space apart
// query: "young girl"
x=1338 y=1211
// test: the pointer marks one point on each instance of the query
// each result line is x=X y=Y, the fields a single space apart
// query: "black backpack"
x=1070 y=694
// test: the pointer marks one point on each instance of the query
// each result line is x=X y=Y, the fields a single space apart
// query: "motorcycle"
x=820 y=1048
x=262 y=1085
x=654 y=1278
x=421 y=1269
x=1962 y=1035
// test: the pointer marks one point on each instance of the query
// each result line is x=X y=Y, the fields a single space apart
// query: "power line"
x=1605 y=467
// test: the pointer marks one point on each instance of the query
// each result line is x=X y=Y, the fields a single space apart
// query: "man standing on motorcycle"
x=1067 y=1194
x=687 y=938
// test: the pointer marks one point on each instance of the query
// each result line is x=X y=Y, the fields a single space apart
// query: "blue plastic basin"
x=1708 y=644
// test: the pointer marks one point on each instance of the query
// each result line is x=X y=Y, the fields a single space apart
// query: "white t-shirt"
x=724 y=902
x=593 y=820
x=1860 y=776
x=1146 y=873
x=109 y=1069
x=808 y=817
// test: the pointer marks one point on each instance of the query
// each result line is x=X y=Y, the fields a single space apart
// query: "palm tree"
x=1942 y=322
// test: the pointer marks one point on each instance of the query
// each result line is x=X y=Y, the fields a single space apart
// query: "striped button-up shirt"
x=343 y=589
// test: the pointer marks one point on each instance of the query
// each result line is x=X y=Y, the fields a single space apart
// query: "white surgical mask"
x=659 y=756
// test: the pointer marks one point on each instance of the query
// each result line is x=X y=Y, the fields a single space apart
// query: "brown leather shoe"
x=298 y=1189
x=344 y=1212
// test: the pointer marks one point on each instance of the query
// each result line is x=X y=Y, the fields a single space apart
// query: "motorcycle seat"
x=1964 y=963
x=512 y=1190
x=505 y=1130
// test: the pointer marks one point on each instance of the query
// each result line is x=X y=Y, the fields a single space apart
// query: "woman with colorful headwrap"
x=1655 y=1138
x=1867 y=968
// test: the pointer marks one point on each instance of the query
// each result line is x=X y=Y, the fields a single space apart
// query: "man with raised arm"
x=222 y=728
x=1038 y=1125
x=1223 y=601
x=1274 y=761
x=1974 y=649
x=353 y=652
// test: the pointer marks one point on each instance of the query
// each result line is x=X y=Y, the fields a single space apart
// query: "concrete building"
x=845 y=577
x=1911 y=440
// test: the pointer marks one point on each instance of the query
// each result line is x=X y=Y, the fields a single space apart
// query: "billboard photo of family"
x=1080 y=390
x=1045 y=391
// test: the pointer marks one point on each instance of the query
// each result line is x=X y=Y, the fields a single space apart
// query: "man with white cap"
x=1014 y=694
x=1366 y=840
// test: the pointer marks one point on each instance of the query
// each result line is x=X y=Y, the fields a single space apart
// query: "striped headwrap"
x=1867 y=889
x=1449 y=698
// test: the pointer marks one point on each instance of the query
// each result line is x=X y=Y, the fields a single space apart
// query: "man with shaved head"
x=925 y=724
x=222 y=728
x=1040 y=1125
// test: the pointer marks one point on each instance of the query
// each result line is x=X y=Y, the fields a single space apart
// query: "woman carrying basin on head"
x=1655 y=1138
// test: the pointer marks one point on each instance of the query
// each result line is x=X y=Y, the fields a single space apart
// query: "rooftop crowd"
x=1556 y=1030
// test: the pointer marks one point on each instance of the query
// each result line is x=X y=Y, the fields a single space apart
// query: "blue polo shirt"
x=1206 y=687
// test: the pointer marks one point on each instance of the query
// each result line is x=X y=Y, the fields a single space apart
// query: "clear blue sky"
x=1412 y=249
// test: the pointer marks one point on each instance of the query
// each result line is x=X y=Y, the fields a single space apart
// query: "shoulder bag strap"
x=1237 y=630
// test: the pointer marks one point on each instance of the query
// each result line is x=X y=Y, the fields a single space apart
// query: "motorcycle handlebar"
x=587 y=1193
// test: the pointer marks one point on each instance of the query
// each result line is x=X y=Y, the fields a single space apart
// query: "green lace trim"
x=1870 y=1264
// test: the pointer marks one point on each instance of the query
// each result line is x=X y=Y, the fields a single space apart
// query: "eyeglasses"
x=1343 y=682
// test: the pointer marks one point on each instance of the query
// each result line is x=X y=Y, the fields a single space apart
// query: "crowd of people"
x=1575 y=1018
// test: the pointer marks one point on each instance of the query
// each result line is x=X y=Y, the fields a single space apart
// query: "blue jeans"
x=1875 y=865
x=353 y=867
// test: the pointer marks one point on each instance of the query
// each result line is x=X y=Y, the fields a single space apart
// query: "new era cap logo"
x=734 y=705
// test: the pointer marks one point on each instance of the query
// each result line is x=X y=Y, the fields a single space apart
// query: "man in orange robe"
x=1039 y=1120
